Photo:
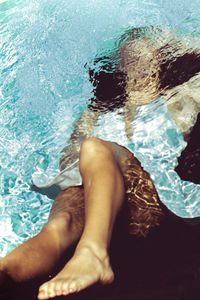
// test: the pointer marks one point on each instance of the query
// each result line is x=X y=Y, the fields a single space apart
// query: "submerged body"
x=157 y=142
x=148 y=63
x=112 y=177
x=103 y=187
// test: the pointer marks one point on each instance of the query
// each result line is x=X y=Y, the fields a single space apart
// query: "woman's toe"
x=73 y=287
x=58 y=288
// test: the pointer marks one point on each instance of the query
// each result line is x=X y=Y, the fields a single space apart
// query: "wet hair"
x=109 y=81
x=175 y=67
x=109 y=85
x=178 y=70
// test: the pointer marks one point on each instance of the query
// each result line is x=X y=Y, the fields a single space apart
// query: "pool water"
x=44 y=87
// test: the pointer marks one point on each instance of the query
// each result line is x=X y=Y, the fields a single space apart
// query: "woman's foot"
x=84 y=269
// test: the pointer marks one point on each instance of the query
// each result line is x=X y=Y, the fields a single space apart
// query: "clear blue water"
x=44 y=87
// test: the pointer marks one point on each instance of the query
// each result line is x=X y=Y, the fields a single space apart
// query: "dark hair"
x=109 y=85
x=109 y=82
x=177 y=70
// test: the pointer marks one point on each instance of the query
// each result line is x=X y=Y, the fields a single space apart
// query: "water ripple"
x=45 y=86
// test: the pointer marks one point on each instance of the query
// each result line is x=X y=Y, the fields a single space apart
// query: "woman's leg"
x=40 y=254
x=104 y=194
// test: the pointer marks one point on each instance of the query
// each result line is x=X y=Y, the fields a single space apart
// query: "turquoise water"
x=44 y=87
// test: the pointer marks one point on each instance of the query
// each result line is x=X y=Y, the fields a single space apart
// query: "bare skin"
x=104 y=193
x=141 y=60
x=88 y=213
x=24 y=262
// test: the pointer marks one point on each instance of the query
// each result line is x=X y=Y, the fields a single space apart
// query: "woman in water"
x=148 y=63
x=111 y=176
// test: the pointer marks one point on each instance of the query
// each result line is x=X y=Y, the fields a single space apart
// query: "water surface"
x=44 y=87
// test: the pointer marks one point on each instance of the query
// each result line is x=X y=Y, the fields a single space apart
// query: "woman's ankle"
x=98 y=249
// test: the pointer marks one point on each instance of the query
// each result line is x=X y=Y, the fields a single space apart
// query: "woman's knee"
x=94 y=147
x=67 y=211
x=58 y=222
